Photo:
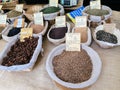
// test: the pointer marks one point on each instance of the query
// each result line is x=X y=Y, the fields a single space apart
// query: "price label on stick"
x=38 y=18
x=60 y=21
x=73 y=41
x=25 y=33
x=3 y=20
x=81 y=21
x=53 y=3
x=19 y=7
x=95 y=4
x=109 y=27
x=19 y=22
x=1 y=7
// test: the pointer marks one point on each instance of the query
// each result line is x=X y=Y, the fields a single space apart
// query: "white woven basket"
x=88 y=42
x=94 y=18
x=57 y=41
x=96 y=61
x=102 y=43
x=44 y=30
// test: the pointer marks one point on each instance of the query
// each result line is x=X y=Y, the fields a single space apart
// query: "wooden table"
x=38 y=78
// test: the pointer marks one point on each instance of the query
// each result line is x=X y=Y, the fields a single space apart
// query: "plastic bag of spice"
x=96 y=69
x=17 y=57
x=57 y=35
x=97 y=15
x=53 y=12
x=105 y=39
x=39 y=29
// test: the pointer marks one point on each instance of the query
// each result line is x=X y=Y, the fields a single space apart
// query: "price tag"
x=73 y=41
x=1 y=7
x=38 y=18
x=81 y=21
x=19 y=7
x=19 y=22
x=109 y=27
x=95 y=4
x=3 y=19
x=53 y=3
x=60 y=21
x=25 y=33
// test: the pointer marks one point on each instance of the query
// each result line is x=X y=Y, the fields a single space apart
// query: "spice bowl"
x=89 y=37
x=96 y=69
x=12 y=47
x=7 y=30
x=96 y=18
x=105 y=44
x=44 y=29
x=52 y=16
x=57 y=41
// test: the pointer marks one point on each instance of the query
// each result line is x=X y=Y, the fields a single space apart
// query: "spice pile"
x=97 y=12
x=21 y=52
x=37 y=28
x=51 y=9
x=13 y=13
x=107 y=37
x=58 y=33
x=73 y=67
x=1 y=29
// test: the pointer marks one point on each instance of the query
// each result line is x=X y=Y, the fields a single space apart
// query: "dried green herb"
x=13 y=13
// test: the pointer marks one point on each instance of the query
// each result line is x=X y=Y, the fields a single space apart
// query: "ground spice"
x=1 y=29
x=51 y=9
x=13 y=13
x=21 y=52
x=107 y=37
x=73 y=67
x=97 y=12
x=37 y=28
x=14 y=31
x=58 y=33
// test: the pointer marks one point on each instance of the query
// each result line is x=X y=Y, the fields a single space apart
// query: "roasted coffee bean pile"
x=13 y=31
x=58 y=33
x=13 y=13
x=97 y=12
x=105 y=36
x=50 y=9
x=21 y=52
x=73 y=67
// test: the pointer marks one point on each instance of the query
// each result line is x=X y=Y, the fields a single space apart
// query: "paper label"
x=38 y=18
x=19 y=7
x=53 y=3
x=19 y=22
x=73 y=41
x=3 y=19
x=95 y=4
x=1 y=7
x=81 y=21
x=109 y=27
x=60 y=21
x=25 y=33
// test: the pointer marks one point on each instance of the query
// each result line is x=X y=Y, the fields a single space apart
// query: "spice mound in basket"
x=73 y=66
x=13 y=13
x=107 y=37
x=50 y=9
x=21 y=52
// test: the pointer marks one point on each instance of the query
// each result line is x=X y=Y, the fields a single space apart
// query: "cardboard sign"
x=73 y=41
x=1 y=7
x=19 y=7
x=53 y=3
x=95 y=4
x=60 y=21
x=3 y=20
x=25 y=33
x=109 y=27
x=38 y=18
x=81 y=21
x=19 y=22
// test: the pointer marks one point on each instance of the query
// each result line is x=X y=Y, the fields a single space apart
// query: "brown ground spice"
x=73 y=67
